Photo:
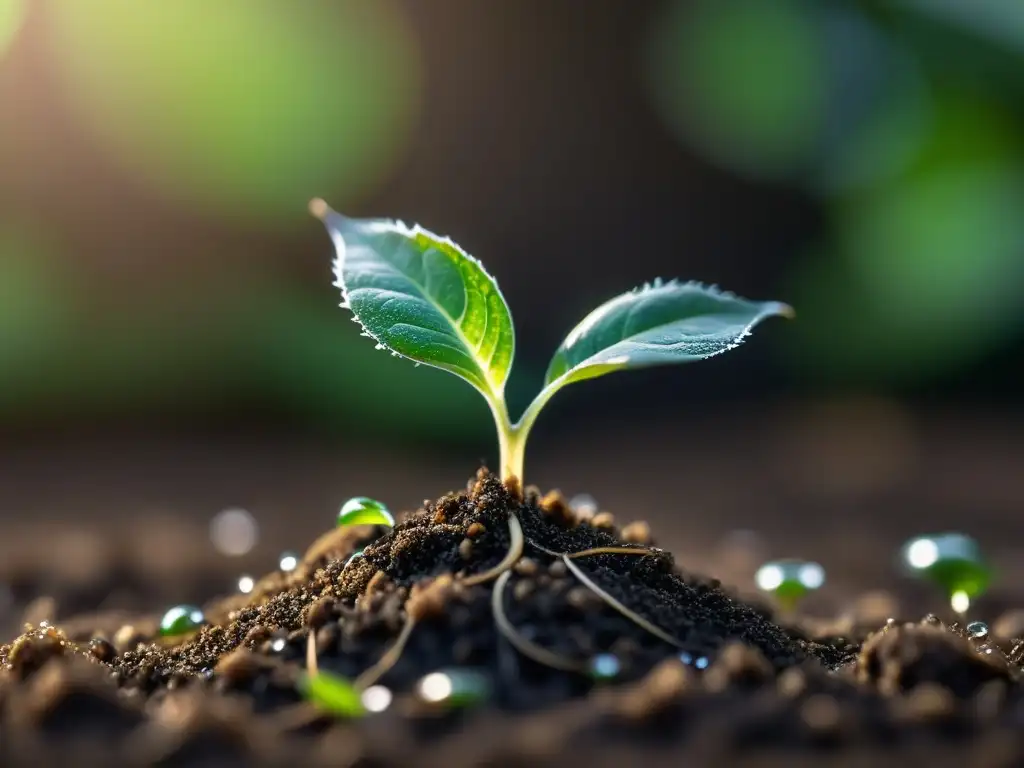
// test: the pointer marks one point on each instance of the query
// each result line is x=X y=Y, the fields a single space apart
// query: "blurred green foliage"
x=12 y=13
x=915 y=151
x=243 y=106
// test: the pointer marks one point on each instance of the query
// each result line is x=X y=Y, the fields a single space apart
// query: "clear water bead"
x=288 y=561
x=605 y=666
x=977 y=630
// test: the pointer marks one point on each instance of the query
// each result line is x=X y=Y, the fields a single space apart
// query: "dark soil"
x=102 y=690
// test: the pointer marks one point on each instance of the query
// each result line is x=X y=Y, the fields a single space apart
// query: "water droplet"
x=181 y=620
x=233 y=532
x=702 y=662
x=362 y=510
x=790 y=580
x=454 y=688
x=605 y=666
x=288 y=561
x=951 y=560
x=376 y=698
x=245 y=584
x=686 y=658
x=278 y=644
x=978 y=630
x=584 y=504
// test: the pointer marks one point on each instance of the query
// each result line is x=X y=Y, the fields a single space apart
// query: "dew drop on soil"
x=288 y=561
x=233 y=532
x=363 y=510
x=583 y=503
x=180 y=620
x=978 y=630
x=605 y=666
x=245 y=584
x=376 y=698
x=453 y=688
x=278 y=644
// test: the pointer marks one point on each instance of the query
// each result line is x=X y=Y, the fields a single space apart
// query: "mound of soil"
x=734 y=686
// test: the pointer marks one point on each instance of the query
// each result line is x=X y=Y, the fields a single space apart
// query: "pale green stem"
x=512 y=437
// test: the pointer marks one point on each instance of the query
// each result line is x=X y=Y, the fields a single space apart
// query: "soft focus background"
x=171 y=344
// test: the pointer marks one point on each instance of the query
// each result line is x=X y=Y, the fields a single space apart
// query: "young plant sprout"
x=422 y=297
x=365 y=511
x=954 y=562
x=789 y=581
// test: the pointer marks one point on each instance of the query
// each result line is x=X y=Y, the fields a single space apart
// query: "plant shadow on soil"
x=771 y=694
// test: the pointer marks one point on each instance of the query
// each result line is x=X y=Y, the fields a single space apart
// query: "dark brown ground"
x=900 y=692
x=914 y=695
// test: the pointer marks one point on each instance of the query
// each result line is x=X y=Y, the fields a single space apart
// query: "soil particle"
x=735 y=687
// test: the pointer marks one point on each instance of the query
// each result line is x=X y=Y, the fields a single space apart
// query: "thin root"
x=597 y=551
x=311 y=666
x=515 y=551
x=634 y=617
x=526 y=647
x=388 y=660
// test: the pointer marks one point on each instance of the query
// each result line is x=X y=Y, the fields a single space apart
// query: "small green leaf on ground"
x=362 y=510
x=333 y=694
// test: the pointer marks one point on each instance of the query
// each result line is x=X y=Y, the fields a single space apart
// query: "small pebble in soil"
x=377 y=698
x=790 y=580
x=953 y=561
x=245 y=584
x=181 y=620
x=288 y=561
x=453 y=688
x=363 y=510
x=233 y=532
x=978 y=630
x=605 y=666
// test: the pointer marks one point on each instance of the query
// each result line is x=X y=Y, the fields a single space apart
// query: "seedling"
x=422 y=297
x=954 y=562
x=789 y=581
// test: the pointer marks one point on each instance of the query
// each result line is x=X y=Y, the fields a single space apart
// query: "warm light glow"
x=960 y=601
x=435 y=687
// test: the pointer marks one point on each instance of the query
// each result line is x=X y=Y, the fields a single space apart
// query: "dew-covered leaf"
x=422 y=297
x=658 y=324
x=333 y=694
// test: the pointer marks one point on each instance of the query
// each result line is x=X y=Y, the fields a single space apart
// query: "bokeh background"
x=171 y=345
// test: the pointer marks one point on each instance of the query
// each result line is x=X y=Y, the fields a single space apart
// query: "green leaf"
x=422 y=297
x=332 y=693
x=657 y=324
x=365 y=511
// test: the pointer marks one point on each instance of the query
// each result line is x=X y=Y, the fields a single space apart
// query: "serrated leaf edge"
x=340 y=248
